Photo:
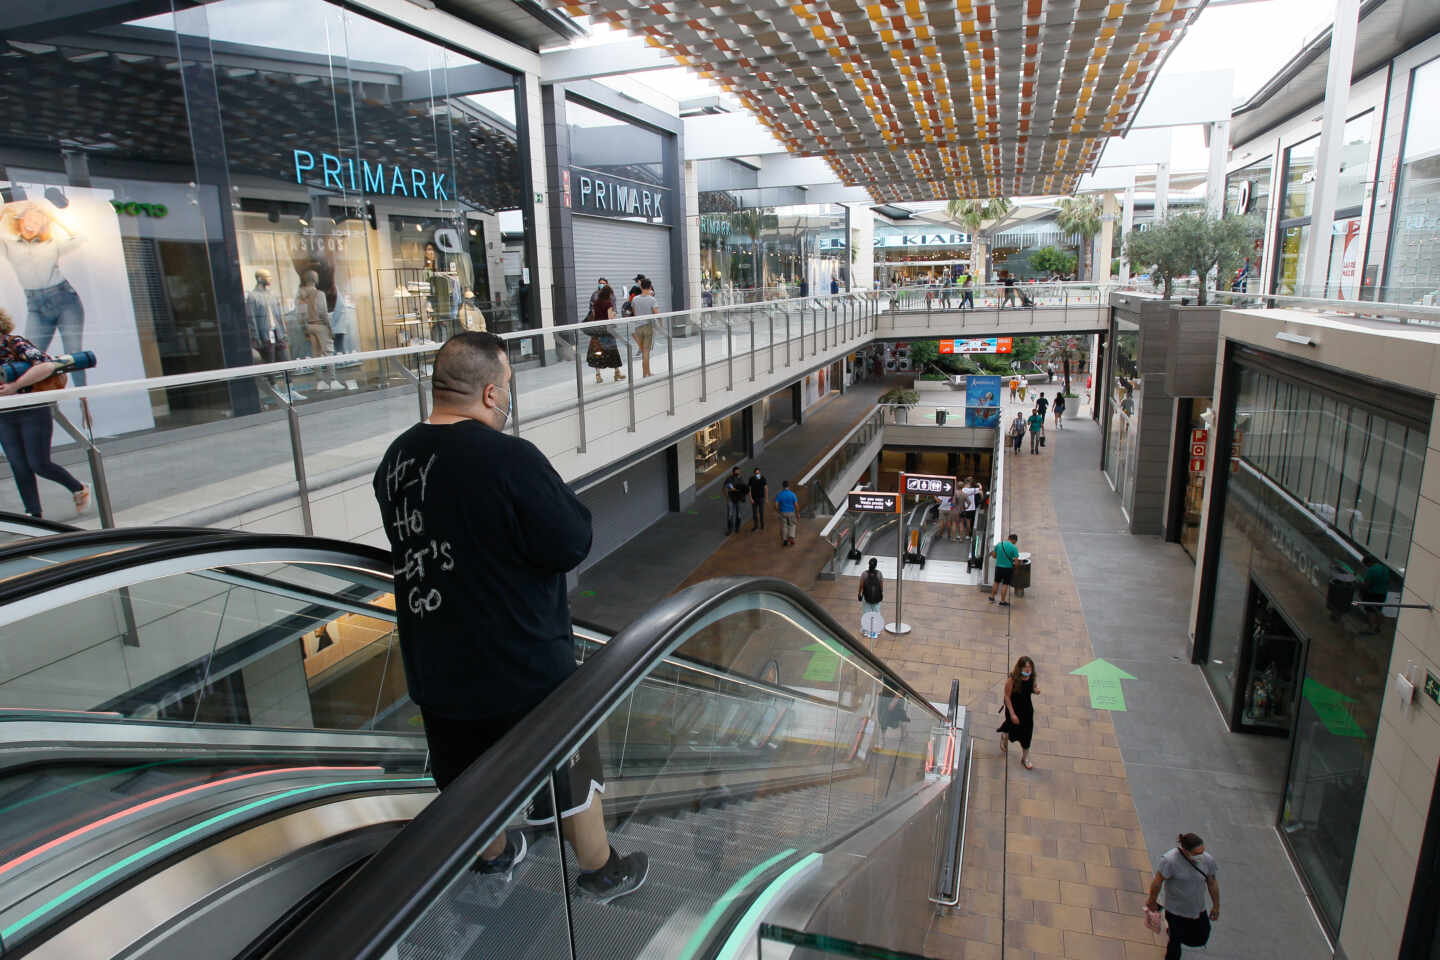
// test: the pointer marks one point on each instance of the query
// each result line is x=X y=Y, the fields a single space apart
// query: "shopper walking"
x=645 y=306
x=1037 y=429
x=871 y=596
x=25 y=434
x=1041 y=404
x=1014 y=386
x=759 y=490
x=967 y=293
x=970 y=494
x=1006 y=553
x=1017 y=430
x=788 y=506
x=1008 y=279
x=482 y=532
x=1186 y=873
x=1019 y=709
x=1024 y=386
x=604 y=352
x=1059 y=409
x=947 y=518
x=736 y=490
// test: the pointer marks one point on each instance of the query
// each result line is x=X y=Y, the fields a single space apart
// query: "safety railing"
x=993 y=296
x=816 y=485
x=982 y=547
x=1425 y=312
x=250 y=446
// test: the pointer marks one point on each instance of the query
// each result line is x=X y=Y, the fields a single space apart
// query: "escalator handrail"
x=379 y=903
x=72 y=538
x=25 y=520
x=76 y=572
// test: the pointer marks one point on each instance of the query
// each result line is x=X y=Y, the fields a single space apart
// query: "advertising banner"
x=981 y=345
x=982 y=401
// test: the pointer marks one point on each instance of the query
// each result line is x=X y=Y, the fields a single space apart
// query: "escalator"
x=210 y=750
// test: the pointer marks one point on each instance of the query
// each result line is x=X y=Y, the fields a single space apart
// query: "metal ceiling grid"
x=925 y=99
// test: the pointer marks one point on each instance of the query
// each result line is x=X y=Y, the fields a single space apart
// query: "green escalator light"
x=717 y=911
x=833 y=946
x=739 y=937
x=98 y=776
x=175 y=838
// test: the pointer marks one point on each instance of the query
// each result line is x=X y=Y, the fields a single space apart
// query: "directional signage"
x=1105 y=690
x=981 y=345
x=873 y=501
x=927 y=486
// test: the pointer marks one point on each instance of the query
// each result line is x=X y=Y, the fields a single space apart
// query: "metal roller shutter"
x=617 y=250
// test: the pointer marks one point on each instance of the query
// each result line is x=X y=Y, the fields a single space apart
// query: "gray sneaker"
x=503 y=866
x=619 y=876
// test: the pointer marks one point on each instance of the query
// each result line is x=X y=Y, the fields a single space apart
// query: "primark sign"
x=600 y=196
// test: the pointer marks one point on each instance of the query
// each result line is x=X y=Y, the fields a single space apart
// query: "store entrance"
x=1271 y=662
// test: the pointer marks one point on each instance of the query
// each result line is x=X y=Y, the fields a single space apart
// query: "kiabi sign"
x=610 y=197
x=950 y=239
x=392 y=181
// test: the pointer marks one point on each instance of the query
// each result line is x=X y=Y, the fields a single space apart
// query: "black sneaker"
x=619 y=876
x=504 y=865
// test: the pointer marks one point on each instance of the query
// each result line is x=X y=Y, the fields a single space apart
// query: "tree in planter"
x=923 y=355
x=1052 y=260
x=1191 y=242
x=1062 y=348
x=1157 y=250
x=901 y=398
x=978 y=217
x=1079 y=215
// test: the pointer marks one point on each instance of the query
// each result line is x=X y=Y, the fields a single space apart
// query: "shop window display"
x=1413 y=272
x=1201 y=424
x=718 y=447
x=1125 y=392
x=1247 y=193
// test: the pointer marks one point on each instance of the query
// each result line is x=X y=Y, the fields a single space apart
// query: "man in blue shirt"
x=786 y=503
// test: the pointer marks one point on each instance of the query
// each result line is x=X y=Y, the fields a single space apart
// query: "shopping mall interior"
x=913 y=474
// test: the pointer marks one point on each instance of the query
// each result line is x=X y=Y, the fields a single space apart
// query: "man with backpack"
x=871 y=596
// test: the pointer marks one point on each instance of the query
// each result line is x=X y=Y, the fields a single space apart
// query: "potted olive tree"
x=901 y=400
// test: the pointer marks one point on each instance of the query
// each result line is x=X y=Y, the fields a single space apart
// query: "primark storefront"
x=217 y=182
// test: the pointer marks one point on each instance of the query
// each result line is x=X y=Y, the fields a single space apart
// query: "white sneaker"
x=351 y=385
x=336 y=385
x=322 y=385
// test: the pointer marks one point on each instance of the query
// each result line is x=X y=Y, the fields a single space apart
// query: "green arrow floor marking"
x=1333 y=710
x=824 y=664
x=1105 y=690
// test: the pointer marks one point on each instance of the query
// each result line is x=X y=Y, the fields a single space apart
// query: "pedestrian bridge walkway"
x=993 y=310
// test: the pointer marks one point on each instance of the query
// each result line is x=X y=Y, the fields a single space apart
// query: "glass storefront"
x=304 y=180
x=1413 y=273
x=778 y=411
x=1201 y=422
x=750 y=252
x=1121 y=437
x=1344 y=262
x=1247 y=193
x=1320 y=492
x=718 y=447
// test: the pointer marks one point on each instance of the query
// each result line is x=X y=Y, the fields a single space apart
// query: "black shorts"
x=968 y=514
x=455 y=743
x=1003 y=574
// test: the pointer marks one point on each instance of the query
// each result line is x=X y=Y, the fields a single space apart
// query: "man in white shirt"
x=969 y=495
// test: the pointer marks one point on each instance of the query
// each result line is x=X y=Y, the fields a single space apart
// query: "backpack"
x=872 y=587
x=628 y=309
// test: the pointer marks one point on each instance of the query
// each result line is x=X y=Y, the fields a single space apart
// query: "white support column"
x=1162 y=192
x=542 y=276
x=692 y=231
x=1219 y=155
x=862 y=242
x=1127 y=224
x=1327 y=157
x=1107 y=238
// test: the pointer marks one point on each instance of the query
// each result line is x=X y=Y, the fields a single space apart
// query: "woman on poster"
x=25 y=434
x=33 y=239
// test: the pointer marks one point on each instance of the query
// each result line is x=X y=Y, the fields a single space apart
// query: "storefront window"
x=763 y=252
x=1299 y=183
x=1202 y=421
x=1125 y=389
x=718 y=447
x=1247 y=193
x=614 y=147
x=1413 y=273
x=779 y=413
x=1320 y=496
x=1290 y=264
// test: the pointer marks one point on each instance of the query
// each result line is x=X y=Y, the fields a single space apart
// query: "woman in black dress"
x=604 y=351
x=1019 y=725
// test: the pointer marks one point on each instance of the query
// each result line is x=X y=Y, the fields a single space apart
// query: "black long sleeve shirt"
x=482 y=531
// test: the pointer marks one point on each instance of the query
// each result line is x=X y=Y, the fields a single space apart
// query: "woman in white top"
x=33 y=239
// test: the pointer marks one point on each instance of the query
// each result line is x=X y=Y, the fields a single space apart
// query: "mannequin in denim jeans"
x=33 y=239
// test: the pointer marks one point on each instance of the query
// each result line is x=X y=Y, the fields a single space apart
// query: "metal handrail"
x=375 y=907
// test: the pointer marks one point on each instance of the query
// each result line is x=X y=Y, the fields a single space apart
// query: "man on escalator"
x=482 y=531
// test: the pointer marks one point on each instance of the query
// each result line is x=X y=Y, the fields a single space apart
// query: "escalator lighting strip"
x=157 y=801
x=717 y=911
x=89 y=780
x=743 y=934
x=175 y=838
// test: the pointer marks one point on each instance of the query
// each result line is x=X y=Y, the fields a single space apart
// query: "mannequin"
x=267 y=327
x=314 y=316
x=442 y=292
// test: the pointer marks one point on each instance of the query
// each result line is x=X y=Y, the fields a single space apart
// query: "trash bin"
x=940 y=416
x=1020 y=579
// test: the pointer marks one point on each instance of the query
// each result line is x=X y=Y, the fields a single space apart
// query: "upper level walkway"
x=995 y=310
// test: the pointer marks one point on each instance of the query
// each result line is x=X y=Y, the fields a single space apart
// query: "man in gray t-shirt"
x=644 y=332
x=1186 y=873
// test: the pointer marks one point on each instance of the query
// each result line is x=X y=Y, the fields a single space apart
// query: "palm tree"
x=1080 y=215
x=975 y=215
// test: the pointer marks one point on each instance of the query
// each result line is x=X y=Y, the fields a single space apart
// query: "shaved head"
x=468 y=364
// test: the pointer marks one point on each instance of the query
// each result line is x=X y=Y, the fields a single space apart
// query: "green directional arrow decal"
x=824 y=664
x=1105 y=690
x=1332 y=706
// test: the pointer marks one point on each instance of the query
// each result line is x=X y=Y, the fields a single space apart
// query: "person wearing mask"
x=759 y=490
x=1037 y=429
x=787 y=505
x=736 y=490
x=1185 y=874
x=871 y=595
x=1007 y=552
x=1017 y=430
x=1019 y=709
x=643 y=307
x=25 y=434
x=604 y=352
x=482 y=531
x=1059 y=409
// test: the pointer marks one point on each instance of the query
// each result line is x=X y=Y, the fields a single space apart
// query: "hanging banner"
x=982 y=401
x=981 y=345
x=1348 y=287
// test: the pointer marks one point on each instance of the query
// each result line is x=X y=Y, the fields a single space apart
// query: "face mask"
x=1025 y=674
x=509 y=408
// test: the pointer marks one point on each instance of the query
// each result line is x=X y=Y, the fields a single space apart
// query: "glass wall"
x=1343 y=266
x=1413 y=273
x=718 y=447
x=1200 y=424
x=1320 y=497
x=1247 y=192
x=1122 y=431
x=243 y=181
x=750 y=252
